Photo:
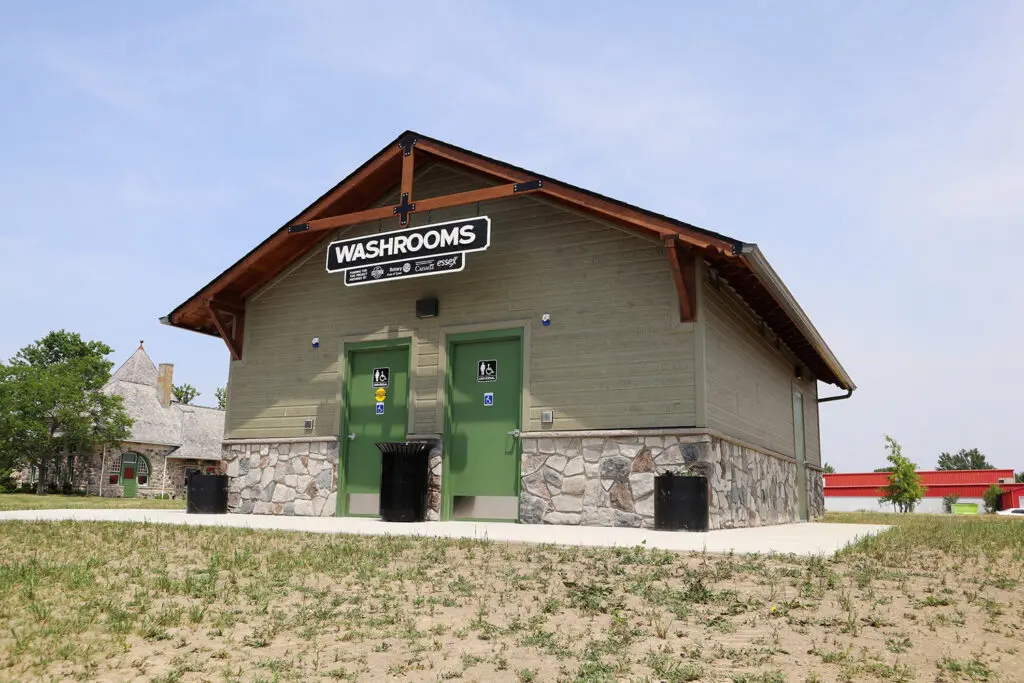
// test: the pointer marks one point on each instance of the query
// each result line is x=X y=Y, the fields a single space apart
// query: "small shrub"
x=948 y=502
x=991 y=497
x=7 y=483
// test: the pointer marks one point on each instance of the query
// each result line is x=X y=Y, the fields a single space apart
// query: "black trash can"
x=681 y=502
x=404 y=476
x=207 y=494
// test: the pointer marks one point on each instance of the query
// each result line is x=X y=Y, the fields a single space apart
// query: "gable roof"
x=741 y=264
x=196 y=431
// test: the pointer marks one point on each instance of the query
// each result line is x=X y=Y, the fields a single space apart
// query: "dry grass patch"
x=101 y=601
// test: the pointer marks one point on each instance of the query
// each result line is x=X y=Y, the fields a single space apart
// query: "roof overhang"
x=218 y=308
x=754 y=259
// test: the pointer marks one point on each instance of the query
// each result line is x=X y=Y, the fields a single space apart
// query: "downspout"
x=841 y=397
x=163 y=484
x=103 y=469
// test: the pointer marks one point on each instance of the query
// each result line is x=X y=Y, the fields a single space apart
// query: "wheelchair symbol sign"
x=489 y=399
x=380 y=408
x=487 y=371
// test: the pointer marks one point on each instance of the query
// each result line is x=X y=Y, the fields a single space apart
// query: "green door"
x=801 y=454
x=129 y=474
x=376 y=402
x=484 y=413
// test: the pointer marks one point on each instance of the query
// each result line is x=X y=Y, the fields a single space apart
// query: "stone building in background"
x=168 y=441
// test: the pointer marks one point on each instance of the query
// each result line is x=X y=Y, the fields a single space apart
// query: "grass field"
x=934 y=599
x=28 y=501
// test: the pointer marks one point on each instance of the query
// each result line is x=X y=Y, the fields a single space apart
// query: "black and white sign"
x=412 y=252
x=487 y=371
x=432 y=265
x=381 y=378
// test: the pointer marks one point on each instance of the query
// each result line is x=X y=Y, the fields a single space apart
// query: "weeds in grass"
x=373 y=608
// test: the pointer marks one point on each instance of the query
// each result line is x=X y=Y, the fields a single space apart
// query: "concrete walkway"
x=799 y=539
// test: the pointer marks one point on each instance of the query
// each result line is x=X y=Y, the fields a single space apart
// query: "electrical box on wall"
x=427 y=308
x=308 y=425
x=547 y=417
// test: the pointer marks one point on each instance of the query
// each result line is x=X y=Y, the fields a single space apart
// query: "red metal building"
x=937 y=483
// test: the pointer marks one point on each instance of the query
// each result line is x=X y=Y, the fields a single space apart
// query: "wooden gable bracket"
x=407 y=206
x=683 y=263
x=444 y=202
x=229 y=319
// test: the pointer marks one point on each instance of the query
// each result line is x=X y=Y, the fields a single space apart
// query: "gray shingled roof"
x=202 y=430
x=196 y=430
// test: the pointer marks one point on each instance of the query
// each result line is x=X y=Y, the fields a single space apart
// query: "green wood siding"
x=749 y=381
x=615 y=354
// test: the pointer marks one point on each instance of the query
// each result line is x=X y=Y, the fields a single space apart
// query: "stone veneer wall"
x=282 y=476
x=609 y=480
x=434 y=485
x=92 y=472
x=292 y=477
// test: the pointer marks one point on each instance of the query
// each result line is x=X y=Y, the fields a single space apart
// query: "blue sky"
x=875 y=152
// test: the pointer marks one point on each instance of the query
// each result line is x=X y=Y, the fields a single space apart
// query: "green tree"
x=1019 y=478
x=184 y=393
x=52 y=403
x=828 y=468
x=991 y=498
x=904 y=490
x=222 y=397
x=964 y=460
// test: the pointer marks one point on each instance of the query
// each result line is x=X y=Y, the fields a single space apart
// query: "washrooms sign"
x=411 y=252
x=381 y=378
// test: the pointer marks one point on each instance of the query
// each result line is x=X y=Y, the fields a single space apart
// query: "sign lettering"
x=412 y=252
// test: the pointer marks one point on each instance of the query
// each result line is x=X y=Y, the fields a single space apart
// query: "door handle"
x=515 y=433
x=352 y=436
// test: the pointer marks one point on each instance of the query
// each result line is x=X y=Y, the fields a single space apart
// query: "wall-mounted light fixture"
x=427 y=308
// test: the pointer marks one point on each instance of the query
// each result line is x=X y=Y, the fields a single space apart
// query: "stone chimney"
x=164 y=380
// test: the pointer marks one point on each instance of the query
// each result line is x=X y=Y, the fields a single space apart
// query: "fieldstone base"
x=434 y=482
x=282 y=477
x=610 y=481
x=815 y=493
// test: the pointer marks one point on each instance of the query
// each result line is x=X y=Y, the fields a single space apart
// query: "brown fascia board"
x=210 y=287
x=773 y=284
x=170 y=317
x=563 y=192
x=735 y=245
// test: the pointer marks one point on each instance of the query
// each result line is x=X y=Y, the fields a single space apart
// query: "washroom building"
x=557 y=348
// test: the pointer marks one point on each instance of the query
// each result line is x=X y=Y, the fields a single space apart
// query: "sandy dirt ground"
x=934 y=600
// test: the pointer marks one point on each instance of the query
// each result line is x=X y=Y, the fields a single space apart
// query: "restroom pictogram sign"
x=487 y=371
